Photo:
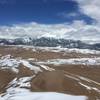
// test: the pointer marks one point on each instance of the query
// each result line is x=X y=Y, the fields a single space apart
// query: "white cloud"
x=34 y=30
x=66 y=15
x=90 y=8
x=78 y=30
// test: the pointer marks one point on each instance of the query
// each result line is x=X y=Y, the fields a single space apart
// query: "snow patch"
x=13 y=64
x=21 y=82
x=67 y=50
x=47 y=68
x=20 y=94
x=74 y=61
x=31 y=67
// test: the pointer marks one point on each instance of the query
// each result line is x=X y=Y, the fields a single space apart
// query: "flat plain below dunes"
x=75 y=79
x=43 y=53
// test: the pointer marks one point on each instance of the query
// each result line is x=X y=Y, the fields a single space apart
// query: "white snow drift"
x=20 y=94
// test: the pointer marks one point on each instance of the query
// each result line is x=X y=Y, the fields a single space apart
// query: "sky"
x=69 y=19
x=41 y=11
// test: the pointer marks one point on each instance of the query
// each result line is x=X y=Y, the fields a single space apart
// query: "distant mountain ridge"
x=50 y=42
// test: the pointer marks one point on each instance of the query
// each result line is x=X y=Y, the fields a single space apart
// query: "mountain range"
x=50 y=42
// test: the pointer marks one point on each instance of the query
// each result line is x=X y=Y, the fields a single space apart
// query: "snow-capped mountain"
x=50 y=42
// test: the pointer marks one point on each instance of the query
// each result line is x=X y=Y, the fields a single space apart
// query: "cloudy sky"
x=74 y=19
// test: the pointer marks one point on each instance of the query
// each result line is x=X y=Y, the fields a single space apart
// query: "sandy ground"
x=70 y=79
